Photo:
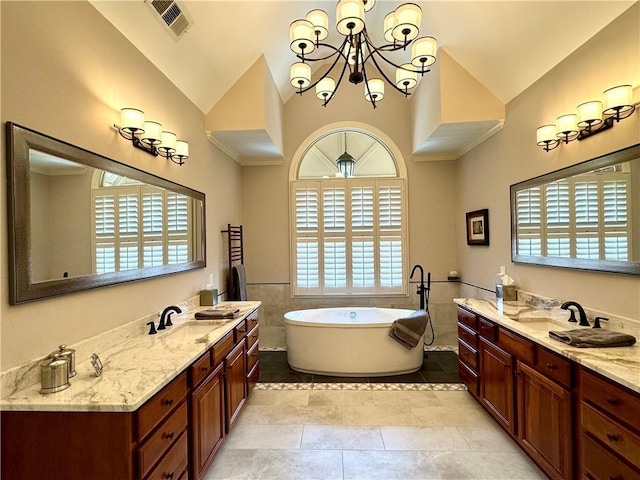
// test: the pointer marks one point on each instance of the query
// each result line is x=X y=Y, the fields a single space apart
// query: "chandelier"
x=401 y=29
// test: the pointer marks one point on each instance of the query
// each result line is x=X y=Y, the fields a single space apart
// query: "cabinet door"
x=207 y=420
x=235 y=382
x=496 y=383
x=544 y=421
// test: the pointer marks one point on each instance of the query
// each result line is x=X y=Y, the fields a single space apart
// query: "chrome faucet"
x=165 y=318
x=421 y=290
x=583 y=316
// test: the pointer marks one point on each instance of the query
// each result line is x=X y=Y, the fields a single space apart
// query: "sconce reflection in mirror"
x=592 y=117
x=149 y=136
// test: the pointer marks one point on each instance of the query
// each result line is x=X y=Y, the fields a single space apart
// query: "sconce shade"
x=301 y=36
x=168 y=145
x=152 y=133
x=300 y=75
x=368 y=4
x=567 y=127
x=325 y=88
x=423 y=52
x=350 y=16
x=374 y=90
x=320 y=21
x=617 y=100
x=589 y=114
x=407 y=22
x=406 y=79
x=546 y=134
x=389 y=23
x=132 y=120
x=182 y=149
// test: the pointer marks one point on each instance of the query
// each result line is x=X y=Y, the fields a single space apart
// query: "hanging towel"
x=408 y=330
x=596 y=338
x=238 y=290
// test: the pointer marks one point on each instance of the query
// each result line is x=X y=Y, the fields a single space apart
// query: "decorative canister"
x=54 y=374
x=68 y=354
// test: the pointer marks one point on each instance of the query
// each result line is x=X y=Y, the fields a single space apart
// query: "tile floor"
x=367 y=434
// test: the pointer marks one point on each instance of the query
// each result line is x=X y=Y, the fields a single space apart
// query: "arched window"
x=348 y=233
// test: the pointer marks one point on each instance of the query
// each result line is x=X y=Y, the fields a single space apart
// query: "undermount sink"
x=196 y=331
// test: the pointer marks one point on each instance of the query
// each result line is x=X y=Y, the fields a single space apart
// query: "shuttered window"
x=583 y=217
x=349 y=237
x=139 y=226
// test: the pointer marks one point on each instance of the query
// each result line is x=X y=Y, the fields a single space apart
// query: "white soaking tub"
x=348 y=342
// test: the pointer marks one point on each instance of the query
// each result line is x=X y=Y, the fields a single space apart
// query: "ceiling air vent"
x=172 y=15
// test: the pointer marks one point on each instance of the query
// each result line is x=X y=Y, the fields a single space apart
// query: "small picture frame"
x=478 y=227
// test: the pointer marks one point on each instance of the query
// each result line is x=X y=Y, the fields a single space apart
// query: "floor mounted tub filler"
x=348 y=342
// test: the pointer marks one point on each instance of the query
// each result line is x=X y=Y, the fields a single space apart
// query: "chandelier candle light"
x=401 y=29
x=149 y=136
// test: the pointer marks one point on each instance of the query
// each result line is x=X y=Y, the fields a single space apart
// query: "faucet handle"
x=572 y=317
x=596 y=323
x=152 y=328
x=168 y=322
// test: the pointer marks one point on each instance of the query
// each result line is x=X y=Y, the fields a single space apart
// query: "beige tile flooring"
x=347 y=434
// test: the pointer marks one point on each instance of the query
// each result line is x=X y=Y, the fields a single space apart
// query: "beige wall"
x=67 y=72
x=610 y=58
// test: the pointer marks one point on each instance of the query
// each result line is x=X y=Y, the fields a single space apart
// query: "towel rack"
x=235 y=248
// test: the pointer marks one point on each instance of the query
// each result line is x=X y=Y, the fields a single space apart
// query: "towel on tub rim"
x=408 y=330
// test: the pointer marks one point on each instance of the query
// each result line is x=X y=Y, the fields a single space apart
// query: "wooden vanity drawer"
x=252 y=356
x=222 y=348
x=252 y=377
x=467 y=318
x=516 y=345
x=252 y=320
x=162 y=439
x=240 y=331
x=487 y=329
x=468 y=355
x=174 y=463
x=158 y=407
x=469 y=378
x=610 y=398
x=554 y=366
x=612 y=434
x=601 y=464
x=201 y=368
x=470 y=337
x=252 y=336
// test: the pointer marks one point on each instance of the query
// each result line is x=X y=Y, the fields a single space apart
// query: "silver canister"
x=54 y=374
x=68 y=354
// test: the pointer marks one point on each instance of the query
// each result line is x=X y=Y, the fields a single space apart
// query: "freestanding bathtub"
x=348 y=342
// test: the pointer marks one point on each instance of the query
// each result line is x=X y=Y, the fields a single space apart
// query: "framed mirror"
x=585 y=217
x=78 y=220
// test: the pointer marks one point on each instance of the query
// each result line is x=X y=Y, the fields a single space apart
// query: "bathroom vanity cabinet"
x=571 y=421
x=174 y=435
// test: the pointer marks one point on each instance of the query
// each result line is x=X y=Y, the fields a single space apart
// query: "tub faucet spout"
x=421 y=288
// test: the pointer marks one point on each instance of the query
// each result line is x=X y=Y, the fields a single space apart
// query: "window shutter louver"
x=528 y=208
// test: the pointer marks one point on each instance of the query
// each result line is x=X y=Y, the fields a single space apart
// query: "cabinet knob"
x=167 y=402
x=167 y=475
x=169 y=435
x=612 y=437
x=551 y=366
x=204 y=369
x=612 y=401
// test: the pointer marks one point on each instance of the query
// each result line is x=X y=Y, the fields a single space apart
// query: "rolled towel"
x=215 y=314
x=596 y=338
x=408 y=330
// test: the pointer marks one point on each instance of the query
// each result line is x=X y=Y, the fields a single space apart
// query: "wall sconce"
x=149 y=136
x=592 y=117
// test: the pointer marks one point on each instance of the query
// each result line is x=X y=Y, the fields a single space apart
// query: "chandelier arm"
x=344 y=68
x=366 y=86
x=324 y=75
x=373 y=60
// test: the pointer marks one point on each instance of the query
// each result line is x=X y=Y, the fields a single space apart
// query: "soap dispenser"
x=54 y=374
x=68 y=354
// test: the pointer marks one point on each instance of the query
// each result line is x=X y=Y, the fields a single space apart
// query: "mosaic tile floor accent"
x=439 y=372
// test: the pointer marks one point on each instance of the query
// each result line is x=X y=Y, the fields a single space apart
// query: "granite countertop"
x=135 y=370
x=620 y=364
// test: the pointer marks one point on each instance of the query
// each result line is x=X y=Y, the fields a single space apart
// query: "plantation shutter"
x=128 y=229
x=528 y=208
x=307 y=275
x=153 y=222
x=617 y=228
x=105 y=229
x=557 y=215
x=363 y=270
x=334 y=240
x=177 y=228
x=587 y=241
x=390 y=245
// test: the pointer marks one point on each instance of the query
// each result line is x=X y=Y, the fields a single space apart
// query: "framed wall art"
x=478 y=227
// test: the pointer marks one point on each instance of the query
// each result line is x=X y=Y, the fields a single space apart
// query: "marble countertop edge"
x=133 y=371
x=620 y=364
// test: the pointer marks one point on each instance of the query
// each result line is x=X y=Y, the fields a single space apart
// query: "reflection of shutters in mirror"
x=138 y=227
x=557 y=226
x=361 y=233
x=528 y=208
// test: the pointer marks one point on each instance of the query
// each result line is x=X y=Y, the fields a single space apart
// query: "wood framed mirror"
x=78 y=220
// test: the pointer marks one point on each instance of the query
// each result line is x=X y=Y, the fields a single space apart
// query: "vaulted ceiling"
x=505 y=45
